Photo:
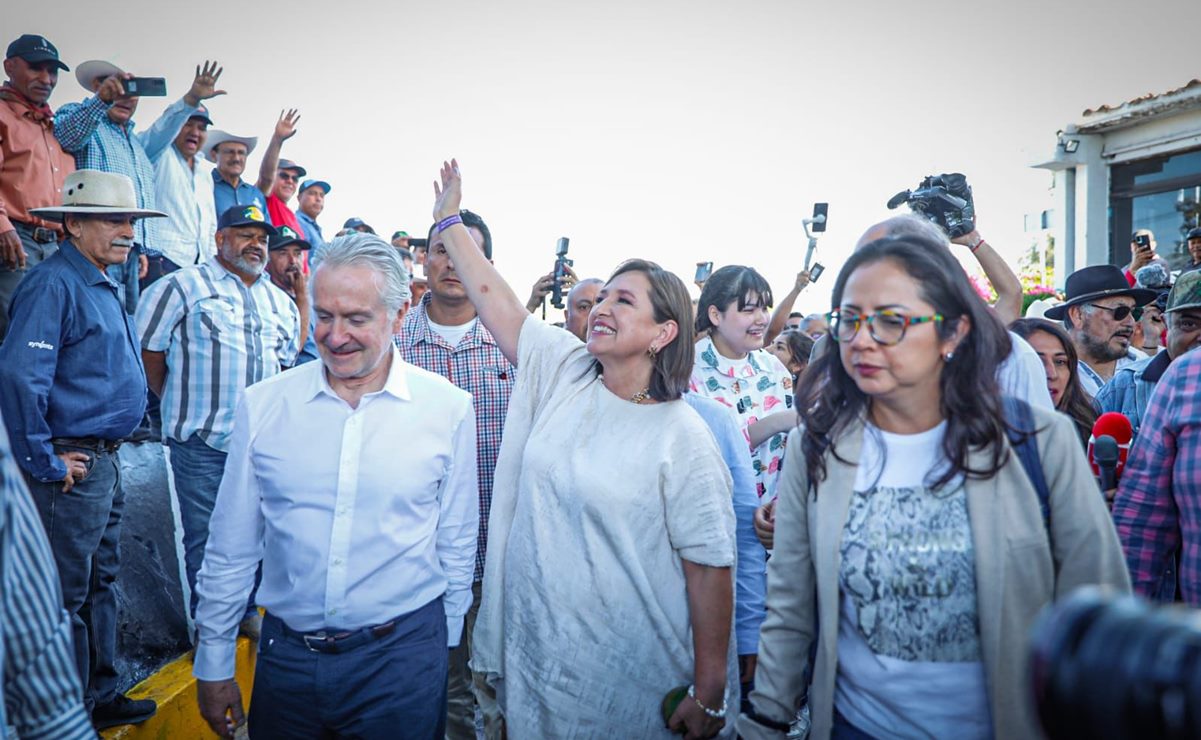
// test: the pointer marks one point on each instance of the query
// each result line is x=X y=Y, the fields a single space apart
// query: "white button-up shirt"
x=350 y=533
x=185 y=194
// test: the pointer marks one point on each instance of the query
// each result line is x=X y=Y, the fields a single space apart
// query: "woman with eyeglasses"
x=732 y=366
x=1058 y=355
x=909 y=540
x=611 y=533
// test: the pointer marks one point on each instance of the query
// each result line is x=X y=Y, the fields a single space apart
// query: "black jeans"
x=83 y=526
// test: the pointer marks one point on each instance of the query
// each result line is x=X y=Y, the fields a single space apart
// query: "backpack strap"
x=1021 y=433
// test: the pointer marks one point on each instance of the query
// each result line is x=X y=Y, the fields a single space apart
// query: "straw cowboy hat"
x=218 y=137
x=87 y=72
x=96 y=193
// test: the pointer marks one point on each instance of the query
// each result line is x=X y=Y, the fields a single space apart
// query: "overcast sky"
x=675 y=131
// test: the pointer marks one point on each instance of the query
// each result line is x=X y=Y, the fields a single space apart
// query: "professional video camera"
x=561 y=265
x=944 y=199
x=1116 y=668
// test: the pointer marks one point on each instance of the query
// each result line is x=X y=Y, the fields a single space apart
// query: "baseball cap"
x=245 y=215
x=354 y=223
x=319 y=183
x=400 y=234
x=285 y=236
x=35 y=49
x=287 y=164
x=202 y=113
x=1194 y=233
x=1186 y=293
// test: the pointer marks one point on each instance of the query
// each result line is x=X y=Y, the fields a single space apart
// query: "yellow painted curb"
x=174 y=689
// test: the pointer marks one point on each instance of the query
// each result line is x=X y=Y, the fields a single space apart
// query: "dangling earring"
x=949 y=356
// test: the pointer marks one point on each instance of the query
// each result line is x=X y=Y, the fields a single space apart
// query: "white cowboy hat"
x=1038 y=308
x=93 y=68
x=218 y=137
x=96 y=192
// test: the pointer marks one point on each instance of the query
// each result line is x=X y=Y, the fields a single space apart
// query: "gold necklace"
x=638 y=397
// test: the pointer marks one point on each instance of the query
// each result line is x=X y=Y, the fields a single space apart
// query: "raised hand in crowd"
x=542 y=288
x=285 y=128
x=779 y=316
x=1008 y=307
x=499 y=308
x=204 y=86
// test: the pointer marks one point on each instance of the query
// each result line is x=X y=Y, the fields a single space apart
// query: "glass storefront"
x=1162 y=194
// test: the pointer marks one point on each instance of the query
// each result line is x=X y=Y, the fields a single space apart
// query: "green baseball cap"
x=1186 y=293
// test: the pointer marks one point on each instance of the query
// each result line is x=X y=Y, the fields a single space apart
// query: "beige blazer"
x=1017 y=572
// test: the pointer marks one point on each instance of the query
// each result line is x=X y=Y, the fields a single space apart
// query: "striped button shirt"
x=43 y=697
x=479 y=367
x=1158 y=505
x=85 y=130
x=220 y=336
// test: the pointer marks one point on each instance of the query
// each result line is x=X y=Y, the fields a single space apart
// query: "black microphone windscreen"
x=1105 y=450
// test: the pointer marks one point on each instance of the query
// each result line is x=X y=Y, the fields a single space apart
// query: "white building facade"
x=1132 y=166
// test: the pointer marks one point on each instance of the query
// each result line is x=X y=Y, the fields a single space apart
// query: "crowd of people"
x=708 y=517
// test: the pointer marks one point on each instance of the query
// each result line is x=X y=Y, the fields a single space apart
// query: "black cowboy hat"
x=1099 y=281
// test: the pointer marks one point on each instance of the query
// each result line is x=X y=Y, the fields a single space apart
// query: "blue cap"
x=246 y=215
x=34 y=50
x=319 y=183
x=354 y=223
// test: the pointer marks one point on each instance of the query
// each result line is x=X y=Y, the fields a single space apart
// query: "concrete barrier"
x=174 y=689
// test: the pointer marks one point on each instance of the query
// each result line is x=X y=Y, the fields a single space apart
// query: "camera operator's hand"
x=540 y=291
x=802 y=281
x=971 y=240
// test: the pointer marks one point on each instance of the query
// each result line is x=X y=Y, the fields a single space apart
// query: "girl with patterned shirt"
x=733 y=368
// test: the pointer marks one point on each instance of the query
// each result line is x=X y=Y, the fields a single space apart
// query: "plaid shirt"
x=478 y=367
x=85 y=130
x=1158 y=506
x=220 y=336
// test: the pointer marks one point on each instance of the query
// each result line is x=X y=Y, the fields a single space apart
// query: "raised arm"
x=285 y=128
x=1009 y=289
x=497 y=305
x=779 y=317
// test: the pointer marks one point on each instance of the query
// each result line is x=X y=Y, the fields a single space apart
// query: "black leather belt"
x=40 y=234
x=337 y=642
x=95 y=444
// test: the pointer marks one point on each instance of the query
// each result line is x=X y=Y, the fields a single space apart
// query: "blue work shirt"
x=226 y=197
x=312 y=235
x=750 y=578
x=71 y=365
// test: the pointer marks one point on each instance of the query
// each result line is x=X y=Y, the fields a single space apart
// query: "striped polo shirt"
x=220 y=336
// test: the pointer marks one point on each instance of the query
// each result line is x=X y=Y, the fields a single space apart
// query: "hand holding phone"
x=816 y=271
x=145 y=87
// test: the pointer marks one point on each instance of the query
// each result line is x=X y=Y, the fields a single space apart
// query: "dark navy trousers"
x=393 y=687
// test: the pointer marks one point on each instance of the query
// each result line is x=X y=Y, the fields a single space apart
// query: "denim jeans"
x=196 y=469
x=387 y=688
x=84 y=530
x=35 y=252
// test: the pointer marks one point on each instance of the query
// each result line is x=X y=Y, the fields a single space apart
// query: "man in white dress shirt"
x=367 y=554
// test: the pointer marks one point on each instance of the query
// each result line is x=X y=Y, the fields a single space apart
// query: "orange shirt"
x=32 y=164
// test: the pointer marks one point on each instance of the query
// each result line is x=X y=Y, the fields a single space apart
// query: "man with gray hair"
x=367 y=556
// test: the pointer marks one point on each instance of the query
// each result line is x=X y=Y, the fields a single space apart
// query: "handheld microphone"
x=1118 y=427
x=1105 y=456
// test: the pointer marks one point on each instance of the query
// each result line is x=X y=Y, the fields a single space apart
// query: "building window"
x=1162 y=194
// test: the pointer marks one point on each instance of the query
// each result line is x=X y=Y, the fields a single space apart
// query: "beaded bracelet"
x=715 y=714
x=447 y=222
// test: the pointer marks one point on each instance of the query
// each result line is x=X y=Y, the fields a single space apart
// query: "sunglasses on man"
x=1121 y=312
